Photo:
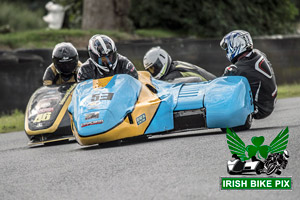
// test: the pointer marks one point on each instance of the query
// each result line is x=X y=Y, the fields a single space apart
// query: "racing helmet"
x=103 y=52
x=235 y=43
x=286 y=155
x=65 y=58
x=157 y=61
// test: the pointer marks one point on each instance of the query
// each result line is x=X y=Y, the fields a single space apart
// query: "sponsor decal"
x=92 y=123
x=67 y=94
x=43 y=110
x=258 y=159
x=44 y=104
x=42 y=117
x=93 y=115
x=65 y=59
x=83 y=83
x=51 y=92
x=50 y=97
x=140 y=119
x=39 y=125
x=93 y=105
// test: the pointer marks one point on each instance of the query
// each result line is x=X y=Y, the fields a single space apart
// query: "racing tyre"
x=244 y=127
x=259 y=168
x=271 y=169
x=278 y=172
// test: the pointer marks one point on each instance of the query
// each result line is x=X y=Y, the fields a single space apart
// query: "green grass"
x=291 y=90
x=15 y=121
x=44 y=38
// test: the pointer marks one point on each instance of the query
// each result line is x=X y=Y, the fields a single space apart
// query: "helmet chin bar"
x=104 y=68
x=162 y=72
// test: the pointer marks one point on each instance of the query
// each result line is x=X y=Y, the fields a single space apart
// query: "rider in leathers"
x=104 y=60
x=159 y=63
x=64 y=67
x=254 y=65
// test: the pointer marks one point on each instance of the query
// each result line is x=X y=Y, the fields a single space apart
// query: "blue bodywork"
x=226 y=101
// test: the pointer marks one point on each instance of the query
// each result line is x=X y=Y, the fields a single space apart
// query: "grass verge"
x=288 y=90
x=44 y=38
x=15 y=121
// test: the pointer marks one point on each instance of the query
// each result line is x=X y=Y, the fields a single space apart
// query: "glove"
x=230 y=70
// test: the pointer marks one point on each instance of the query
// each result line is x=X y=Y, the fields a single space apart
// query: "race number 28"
x=42 y=117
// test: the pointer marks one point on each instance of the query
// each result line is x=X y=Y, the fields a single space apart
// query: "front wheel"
x=244 y=127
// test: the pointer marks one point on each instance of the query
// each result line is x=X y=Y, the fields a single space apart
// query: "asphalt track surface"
x=186 y=165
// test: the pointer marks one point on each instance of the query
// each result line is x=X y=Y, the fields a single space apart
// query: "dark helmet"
x=157 y=61
x=65 y=58
x=103 y=52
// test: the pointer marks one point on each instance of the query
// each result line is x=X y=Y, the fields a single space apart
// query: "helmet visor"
x=107 y=60
x=223 y=45
x=66 y=67
x=155 y=68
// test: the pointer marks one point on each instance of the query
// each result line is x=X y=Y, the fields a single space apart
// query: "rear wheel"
x=259 y=168
x=244 y=127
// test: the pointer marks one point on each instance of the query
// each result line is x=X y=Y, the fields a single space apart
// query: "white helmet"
x=157 y=61
x=103 y=52
x=235 y=43
x=286 y=154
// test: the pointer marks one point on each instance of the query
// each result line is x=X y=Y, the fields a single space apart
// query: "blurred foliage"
x=297 y=4
x=201 y=18
x=73 y=15
x=214 y=18
x=19 y=17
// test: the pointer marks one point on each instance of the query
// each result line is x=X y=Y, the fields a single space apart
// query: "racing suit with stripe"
x=257 y=69
x=180 y=69
x=88 y=70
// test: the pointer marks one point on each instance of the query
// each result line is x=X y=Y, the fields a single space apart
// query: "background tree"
x=214 y=18
x=108 y=15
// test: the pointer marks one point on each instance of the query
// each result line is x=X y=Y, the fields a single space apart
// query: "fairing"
x=121 y=106
x=45 y=117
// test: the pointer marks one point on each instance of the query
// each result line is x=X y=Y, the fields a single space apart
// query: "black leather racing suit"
x=180 y=69
x=259 y=72
x=52 y=77
x=88 y=70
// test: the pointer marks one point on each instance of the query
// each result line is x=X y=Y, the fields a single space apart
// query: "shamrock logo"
x=257 y=149
x=238 y=147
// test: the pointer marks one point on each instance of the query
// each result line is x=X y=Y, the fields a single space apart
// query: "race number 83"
x=42 y=117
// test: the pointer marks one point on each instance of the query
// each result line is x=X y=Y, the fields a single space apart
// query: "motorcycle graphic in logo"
x=275 y=155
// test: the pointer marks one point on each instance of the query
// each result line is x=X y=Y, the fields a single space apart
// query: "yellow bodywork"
x=57 y=121
x=147 y=104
